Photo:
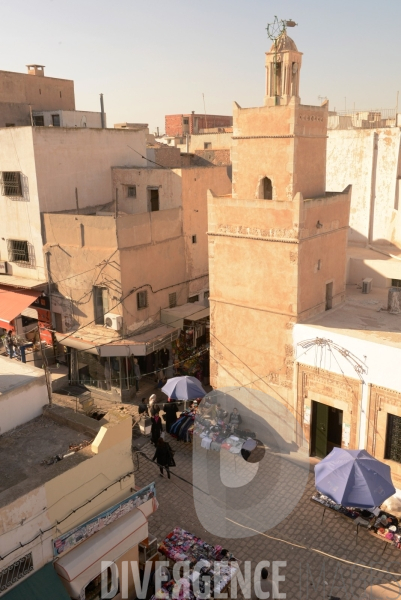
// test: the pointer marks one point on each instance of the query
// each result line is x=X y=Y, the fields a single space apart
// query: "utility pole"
x=116 y=213
x=76 y=200
x=47 y=372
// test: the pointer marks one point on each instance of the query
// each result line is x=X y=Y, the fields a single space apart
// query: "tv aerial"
x=274 y=31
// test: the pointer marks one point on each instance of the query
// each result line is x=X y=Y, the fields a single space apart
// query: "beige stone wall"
x=382 y=402
x=42 y=93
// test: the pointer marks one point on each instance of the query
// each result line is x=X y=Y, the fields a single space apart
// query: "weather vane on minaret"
x=274 y=31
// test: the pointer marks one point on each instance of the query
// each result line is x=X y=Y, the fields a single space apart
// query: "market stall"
x=180 y=545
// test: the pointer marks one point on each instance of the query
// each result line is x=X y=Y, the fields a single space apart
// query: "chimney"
x=38 y=70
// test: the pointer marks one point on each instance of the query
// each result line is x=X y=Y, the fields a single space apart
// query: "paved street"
x=306 y=544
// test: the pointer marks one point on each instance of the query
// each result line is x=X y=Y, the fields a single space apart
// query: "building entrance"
x=327 y=425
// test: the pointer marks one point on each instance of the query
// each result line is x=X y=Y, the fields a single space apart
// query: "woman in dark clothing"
x=156 y=428
x=164 y=457
x=170 y=408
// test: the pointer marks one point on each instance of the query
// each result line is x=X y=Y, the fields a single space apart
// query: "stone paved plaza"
x=323 y=558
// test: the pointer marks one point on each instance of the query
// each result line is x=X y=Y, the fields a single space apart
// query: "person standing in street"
x=10 y=344
x=170 y=408
x=152 y=400
x=156 y=428
x=164 y=457
x=143 y=408
x=264 y=585
x=137 y=374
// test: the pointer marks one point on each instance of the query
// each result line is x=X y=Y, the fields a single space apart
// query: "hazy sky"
x=157 y=57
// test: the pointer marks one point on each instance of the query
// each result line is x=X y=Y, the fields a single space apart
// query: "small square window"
x=142 y=299
x=194 y=239
x=18 y=251
x=56 y=120
x=396 y=283
x=193 y=299
x=207 y=145
x=38 y=120
x=206 y=295
x=10 y=124
x=131 y=191
x=11 y=183
x=172 y=300
x=185 y=121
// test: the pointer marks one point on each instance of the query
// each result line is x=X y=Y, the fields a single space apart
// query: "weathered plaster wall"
x=369 y=160
x=69 y=158
x=19 y=216
x=72 y=118
x=168 y=181
x=23 y=394
x=42 y=93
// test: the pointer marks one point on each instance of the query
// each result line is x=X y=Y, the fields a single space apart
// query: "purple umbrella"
x=183 y=388
x=354 y=478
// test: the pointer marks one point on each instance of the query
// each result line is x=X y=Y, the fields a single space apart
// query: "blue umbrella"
x=354 y=478
x=183 y=388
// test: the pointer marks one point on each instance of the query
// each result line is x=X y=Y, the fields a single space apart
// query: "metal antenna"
x=274 y=31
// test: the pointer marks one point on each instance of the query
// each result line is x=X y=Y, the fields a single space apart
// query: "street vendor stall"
x=180 y=545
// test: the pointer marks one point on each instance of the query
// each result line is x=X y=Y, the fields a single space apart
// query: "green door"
x=321 y=429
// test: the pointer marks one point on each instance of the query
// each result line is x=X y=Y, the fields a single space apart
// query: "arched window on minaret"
x=266 y=189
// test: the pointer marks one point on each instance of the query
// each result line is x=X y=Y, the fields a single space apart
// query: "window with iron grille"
x=131 y=191
x=16 y=571
x=11 y=183
x=193 y=299
x=38 y=120
x=393 y=438
x=172 y=300
x=142 y=299
x=18 y=251
x=100 y=303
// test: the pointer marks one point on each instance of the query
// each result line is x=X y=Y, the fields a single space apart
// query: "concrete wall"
x=370 y=161
x=14 y=114
x=168 y=181
x=68 y=158
x=164 y=156
x=23 y=394
x=72 y=118
x=197 y=141
x=65 y=490
x=42 y=93
x=20 y=216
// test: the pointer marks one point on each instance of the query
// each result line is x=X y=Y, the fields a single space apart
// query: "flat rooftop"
x=14 y=374
x=364 y=316
x=26 y=451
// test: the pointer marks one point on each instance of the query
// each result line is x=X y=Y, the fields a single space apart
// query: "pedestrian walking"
x=156 y=428
x=164 y=457
x=235 y=419
x=10 y=343
x=137 y=374
x=264 y=585
x=170 y=409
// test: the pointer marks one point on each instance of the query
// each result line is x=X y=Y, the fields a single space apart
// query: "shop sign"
x=79 y=534
x=42 y=302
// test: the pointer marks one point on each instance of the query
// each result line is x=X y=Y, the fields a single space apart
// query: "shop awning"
x=44 y=584
x=22 y=282
x=141 y=344
x=81 y=344
x=190 y=311
x=13 y=302
x=82 y=564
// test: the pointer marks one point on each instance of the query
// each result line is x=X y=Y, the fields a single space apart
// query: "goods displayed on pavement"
x=213 y=431
x=378 y=522
x=180 y=545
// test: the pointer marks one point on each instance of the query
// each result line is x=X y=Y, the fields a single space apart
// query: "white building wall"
x=369 y=160
x=19 y=217
x=72 y=118
x=382 y=361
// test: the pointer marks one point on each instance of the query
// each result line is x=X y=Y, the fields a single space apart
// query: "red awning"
x=13 y=302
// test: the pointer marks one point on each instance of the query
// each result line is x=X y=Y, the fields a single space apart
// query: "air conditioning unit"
x=113 y=321
x=367 y=285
